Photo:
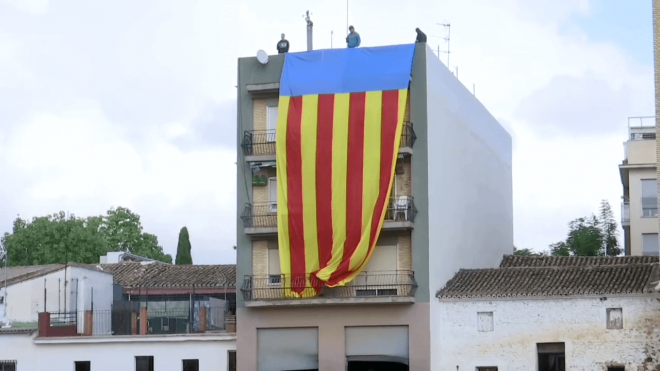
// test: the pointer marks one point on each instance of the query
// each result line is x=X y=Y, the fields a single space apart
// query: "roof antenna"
x=310 y=24
x=448 y=26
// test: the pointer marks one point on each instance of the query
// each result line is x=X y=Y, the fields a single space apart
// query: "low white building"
x=22 y=349
x=551 y=313
x=54 y=288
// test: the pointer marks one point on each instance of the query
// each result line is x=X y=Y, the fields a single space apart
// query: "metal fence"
x=408 y=136
x=63 y=319
x=366 y=284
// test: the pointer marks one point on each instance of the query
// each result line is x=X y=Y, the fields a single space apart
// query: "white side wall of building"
x=580 y=323
x=26 y=299
x=470 y=185
x=117 y=353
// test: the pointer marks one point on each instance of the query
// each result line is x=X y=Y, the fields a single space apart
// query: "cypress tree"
x=183 y=250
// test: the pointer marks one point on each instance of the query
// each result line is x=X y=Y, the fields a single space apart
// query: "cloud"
x=576 y=106
x=30 y=6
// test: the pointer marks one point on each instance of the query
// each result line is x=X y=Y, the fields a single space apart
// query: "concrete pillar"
x=134 y=321
x=89 y=323
x=143 y=321
x=44 y=324
x=202 y=319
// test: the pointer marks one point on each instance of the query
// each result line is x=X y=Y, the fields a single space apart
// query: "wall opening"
x=83 y=365
x=376 y=365
x=551 y=356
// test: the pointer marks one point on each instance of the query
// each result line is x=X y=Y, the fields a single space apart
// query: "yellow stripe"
x=370 y=172
x=403 y=93
x=282 y=197
x=308 y=140
x=339 y=172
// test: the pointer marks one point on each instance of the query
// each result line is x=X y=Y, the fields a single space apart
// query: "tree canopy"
x=59 y=238
x=183 y=249
x=590 y=236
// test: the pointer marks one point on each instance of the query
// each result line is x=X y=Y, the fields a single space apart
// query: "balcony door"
x=379 y=277
x=271 y=117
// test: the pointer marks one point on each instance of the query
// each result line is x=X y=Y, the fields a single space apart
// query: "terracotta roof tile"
x=537 y=277
x=134 y=275
x=573 y=261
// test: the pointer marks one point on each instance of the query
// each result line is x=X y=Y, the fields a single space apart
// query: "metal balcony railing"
x=264 y=214
x=262 y=142
x=365 y=284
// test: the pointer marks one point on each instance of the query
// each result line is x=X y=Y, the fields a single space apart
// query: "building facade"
x=450 y=207
x=639 y=207
x=551 y=313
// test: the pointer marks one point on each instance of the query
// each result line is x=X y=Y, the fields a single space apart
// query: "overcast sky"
x=132 y=103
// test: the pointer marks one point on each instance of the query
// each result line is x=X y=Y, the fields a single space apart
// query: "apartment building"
x=639 y=207
x=449 y=207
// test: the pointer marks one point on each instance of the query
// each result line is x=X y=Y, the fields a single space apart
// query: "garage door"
x=287 y=349
x=374 y=342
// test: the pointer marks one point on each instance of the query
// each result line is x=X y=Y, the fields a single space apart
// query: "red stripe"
x=324 y=178
x=354 y=183
x=389 y=120
x=294 y=192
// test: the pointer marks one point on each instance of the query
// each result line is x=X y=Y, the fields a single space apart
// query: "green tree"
x=584 y=239
x=527 y=252
x=52 y=239
x=183 y=249
x=58 y=238
x=609 y=231
x=123 y=231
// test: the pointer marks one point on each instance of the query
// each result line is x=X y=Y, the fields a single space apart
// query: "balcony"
x=261 y=218
x=625 y=214
x=377 y=287
x=259 y=145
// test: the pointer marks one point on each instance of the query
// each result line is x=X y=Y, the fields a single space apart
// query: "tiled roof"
x=573 y=261
x=555 y=277
x=139 y=275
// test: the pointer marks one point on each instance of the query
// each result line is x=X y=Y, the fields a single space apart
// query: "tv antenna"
x=448 y=27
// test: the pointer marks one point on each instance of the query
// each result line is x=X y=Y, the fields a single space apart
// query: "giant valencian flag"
x=338 y=131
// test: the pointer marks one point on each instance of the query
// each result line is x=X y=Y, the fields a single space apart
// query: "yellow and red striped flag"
x=339 y=126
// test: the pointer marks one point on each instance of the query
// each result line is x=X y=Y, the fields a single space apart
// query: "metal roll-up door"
x=287 y=349
x=385 y=343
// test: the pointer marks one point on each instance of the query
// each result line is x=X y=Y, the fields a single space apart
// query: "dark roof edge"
x=49 y=270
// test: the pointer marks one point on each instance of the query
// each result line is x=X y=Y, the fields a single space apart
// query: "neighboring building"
x=27 y=291
x=23 y=349
x=639 y=209
x=656 y=58
x=154 y=316
x=153 y=283
x=553 y=313
x=451 y=208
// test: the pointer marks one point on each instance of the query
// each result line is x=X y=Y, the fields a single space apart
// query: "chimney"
x=309 y=32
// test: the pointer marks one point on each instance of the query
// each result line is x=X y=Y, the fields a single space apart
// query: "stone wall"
x=581 y=324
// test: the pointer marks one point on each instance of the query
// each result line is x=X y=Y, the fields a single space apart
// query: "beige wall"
x=331 y=322
x=639 y=224
x=641 y=152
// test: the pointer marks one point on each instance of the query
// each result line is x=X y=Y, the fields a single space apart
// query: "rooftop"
x=19 y=274
x=520 y=277
x=134 y=275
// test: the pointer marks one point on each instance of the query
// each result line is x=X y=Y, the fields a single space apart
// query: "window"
x=485 y=321
x=144 y=363
x=272 y=194
x=82 y=365
x=271 y=118
x=274 y=273
x=190 y=365
x=650 y=244
x=378 y=276
x=616 y=368
x=489 y=368
x=7 y=365
x=614 y=318
x=231 y=360
x=551 y=356
x=650 y=197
